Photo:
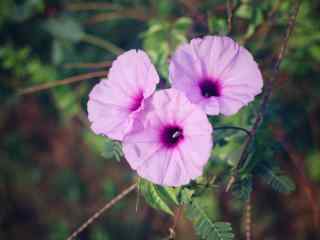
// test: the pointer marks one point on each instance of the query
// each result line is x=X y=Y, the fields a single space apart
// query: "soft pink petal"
x=133 y=71
x=108 y=120
x=155 y=167
x=176 y=174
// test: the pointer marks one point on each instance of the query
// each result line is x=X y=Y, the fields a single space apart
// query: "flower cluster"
x=165 y=134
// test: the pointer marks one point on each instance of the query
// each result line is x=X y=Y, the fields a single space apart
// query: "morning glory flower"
x=171 y=143
x=116 y=102
x=216 y=73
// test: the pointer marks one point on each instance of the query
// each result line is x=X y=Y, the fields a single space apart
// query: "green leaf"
x=57 y=52
x=182 y=24
x=275 y=178
x=218 y=25
x=158 y=197
x=204 y=226
x=65 y=28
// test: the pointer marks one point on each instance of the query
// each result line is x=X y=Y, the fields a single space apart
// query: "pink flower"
x=115 y=103
x=172 y=142
x=216 y=73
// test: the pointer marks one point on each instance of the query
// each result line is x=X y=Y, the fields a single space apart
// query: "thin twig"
x=65 y=81
x=248 y=219
x=102 y=43
x=172 y=230
x=83 y=6
x=263 y=28
x=102 y=210
x=266 y=94
x=138 y=195
x=120 y=14
x=229 y=13
x=233 y=128
x=103 y=64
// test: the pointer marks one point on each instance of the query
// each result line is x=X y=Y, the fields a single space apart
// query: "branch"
x=88 y=65
x=57 y=83
x=248 y=220
x=172 y=230
x=266 y=94
x=135 y=14
x=102 y=43
x=83 y=6
x=102 y=210
x=229 y=13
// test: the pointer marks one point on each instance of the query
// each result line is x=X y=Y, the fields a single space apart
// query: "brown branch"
x=172 y=230
x=104 y=64
x=266 y=94
x=102 y=210
x=83 y=6
x=229 y=13
x=137 y=14
x=248 y=219
x=102 y=43
x=57 y=83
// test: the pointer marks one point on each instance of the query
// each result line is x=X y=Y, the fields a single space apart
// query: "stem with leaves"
x=266 y=94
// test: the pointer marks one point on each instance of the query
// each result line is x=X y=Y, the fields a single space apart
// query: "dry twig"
x=102 y=210
x=84 y=6
x=229 y=13
x=248 y=219
x=65 y=81
x=88 y=65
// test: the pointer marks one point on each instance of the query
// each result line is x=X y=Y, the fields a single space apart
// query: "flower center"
x=137 y=100
x=210 y=88
x=171 y=136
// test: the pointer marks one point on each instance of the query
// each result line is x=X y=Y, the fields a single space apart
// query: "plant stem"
x=102 y=210
x=65 y=81
x=103 y=64
x=99 y=42
x=84 y=6
x=233 y=128
x=266 y=94
x=229 y=14
x=248 y=219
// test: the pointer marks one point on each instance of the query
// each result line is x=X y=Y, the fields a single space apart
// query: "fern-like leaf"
x=275 y=179
x=204 y=226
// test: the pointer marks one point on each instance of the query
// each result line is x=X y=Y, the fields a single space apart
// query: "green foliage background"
x=54 y=172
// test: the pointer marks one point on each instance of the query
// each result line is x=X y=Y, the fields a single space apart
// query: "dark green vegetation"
x=54 y=173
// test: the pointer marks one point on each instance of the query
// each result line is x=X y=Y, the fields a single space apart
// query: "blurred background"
x=55 y=173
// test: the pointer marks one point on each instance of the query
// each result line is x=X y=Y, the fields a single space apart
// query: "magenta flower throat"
x=136 y=101
x=171 y=135
x=209 y=88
